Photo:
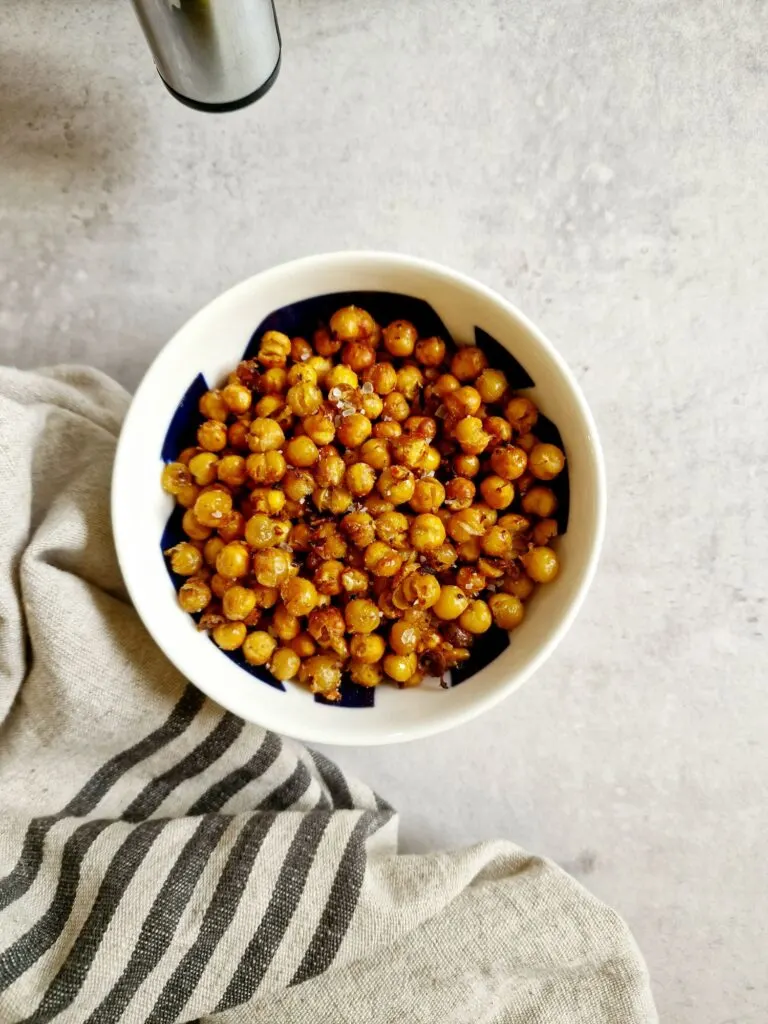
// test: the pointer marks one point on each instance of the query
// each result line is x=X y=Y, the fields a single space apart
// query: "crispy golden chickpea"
x=304 y=399
x=476 y=618
x=408 y=450
x=271 y=567
x=230 y=635
x=265 y=467
x=301 y=350
x=545 y=461
x=400 y=667
x=541 y=564
x=422 y=426
x=221 y=584
x=383 y=377
x=232 y=526
x=285 y=625
x=260 y=531
x=471 y=436
x=237 y=435
x=212 y=436
x=497 y=543
x=298 y=484
x=269 y=405
x=325 y=344
x=194 y=595
x=431 y=460
x=364 y=673
x=466 y=524
x=359 y=528
x=355 y=581
x=509 y=461
x=320 y=427
x=498 y=429
x=451 y=603
x=301 y=373
x=360 y=479
x=194 y=528
x=428 y=495
x=471 y=580
x=508 y=611
x=395 y=407
x=362 y=616
x=187 y=455
x=410 y=381
x=211 y=549
x=396 y=484
x=544 y=532
x=367 y=648
x=492 y=385
x=323 y=676
x=301 y=452
x=238 y=602
x=469 y=550
x=186 y=559
x=233 y=560
x=392 y=528
x=231 y=470
x=403 y=637
x=522 y=414
x=266 y=597
x=459 y=494
x=284 y=664
x=418 y=590
x=330 y=469
x=304 y=645
x=430 y=351
x=382 y=560
x=427 y=532
x=336 y=500
x=375 y=505
x=445 y=384
x=464 y=402
x=516 y=524
x=372 y=405
x=326 y=626
x=327 y=577
x=203 y=468
x=322 y=365
x=213 y=406
x=258 y=647
x=299 y=595
x=264 y=435
x=176 y=476
x=443 y=558
x=539 y=501
x=385 y=430
x=358 y=355
x=400 y=338
x=267 y=500
x=466 y=465
x=354 y=430
x=352 y=324
x=237 y=398
x=274 y=350
x=497 y=492
x=468 y=363
x=273 y=382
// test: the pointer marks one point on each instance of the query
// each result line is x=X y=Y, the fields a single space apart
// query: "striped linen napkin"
x=162 y=861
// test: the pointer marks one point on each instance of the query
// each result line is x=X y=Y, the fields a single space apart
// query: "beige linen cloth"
x=162 y=861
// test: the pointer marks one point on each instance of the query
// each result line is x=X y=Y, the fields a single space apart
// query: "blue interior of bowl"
x=301 y=319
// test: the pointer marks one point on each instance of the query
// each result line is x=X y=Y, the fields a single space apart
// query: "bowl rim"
x=451 y=716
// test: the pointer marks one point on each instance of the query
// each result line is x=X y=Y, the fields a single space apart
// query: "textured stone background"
x=602 y=163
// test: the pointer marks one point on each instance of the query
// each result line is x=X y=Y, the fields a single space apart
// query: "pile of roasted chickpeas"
x=365 y=504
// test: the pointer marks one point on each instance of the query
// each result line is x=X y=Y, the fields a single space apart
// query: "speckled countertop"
x=603 y=164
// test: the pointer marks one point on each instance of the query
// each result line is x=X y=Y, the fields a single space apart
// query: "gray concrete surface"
x=603 y=164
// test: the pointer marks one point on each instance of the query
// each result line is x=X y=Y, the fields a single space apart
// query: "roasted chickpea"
x=355 y=581
x=430 y=351
x=211 y=549
x=304 y=645
x=176 y=476
x=544 y=532
x=367 y=647
x=471 y=436
x=362 y=616
x=471 y=580
x=522 y=414
x=285 y=625
x=382 y=560
x=428 y=495
x=301 y=452
x=469 y=550
x=396 y=484
x=464 y=402
x=403 y=637
x=237 y=398
x=304 y=399
x=410 y=380
x=498 y=429
x=324 y=342
x=497 y=543
x=230 y=635
x=508 y=611
x=232 y=526
x=509 y=461
x=459 y=494
x=330 y=469
x=396 y=407
x=264 y=435
x=430 y=461
x=336 y=500
x=326 y=626
x=400 y=338
x=232 y=560
x=468 y=363
x=271 y=567
x=341 y=381
x=360 y=479
x=221 y=584
x=497 y=492
x=237 y=435
x=387 y=429
x=364 y=673
x=274 y=350
x=238 y=602
x=265 y=467
x=187 y=455
x=466 y=465
x=408 y=450
x=540 y=501
x=258 y=647
x=383 y=377
x=323 y=676
x=327 y=578
x=212 y=507
x=213 y=406
x=185 y=558
x=467 y=524
x=443 y=558
x=541 y=564
x=358 y=355
x=354 y=430
x=545 y=461
x=320 y=427
x=273 y=382
x=193 y=528
x=299 y=595
x=212 y=436
x=301 y=350
x=445 y=384
x=451 y=603
x=265 y=499
x=359 y=528
x=284 y=663
x=269 y=405
x=194 y=595
x=202 y=467
x=476 y=618
x=372 y=405
x=400 y=667
x=427 y=533
x=266 y=597
x=352 y=324
x=516 y=524
x=422 y=426
x=492 y=385
x=392 y=528
x=231 y=470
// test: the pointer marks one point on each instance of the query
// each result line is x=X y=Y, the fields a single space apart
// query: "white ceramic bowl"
x=211 y=344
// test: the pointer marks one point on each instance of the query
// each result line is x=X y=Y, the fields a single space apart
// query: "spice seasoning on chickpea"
x=362 y=504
